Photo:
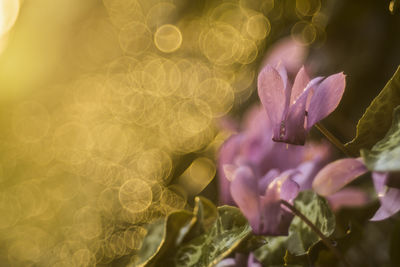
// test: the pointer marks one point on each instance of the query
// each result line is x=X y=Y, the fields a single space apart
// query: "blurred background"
x=111 y=111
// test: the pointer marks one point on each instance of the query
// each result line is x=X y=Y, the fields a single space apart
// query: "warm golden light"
x=168 y=38
x=9 y=10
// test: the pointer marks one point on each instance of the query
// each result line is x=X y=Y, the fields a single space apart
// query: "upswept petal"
x=258 y=134
x=271 y=91
x=326 y=98
x=227 y=154
x=285 y=185
x=280 y=68
x=292 y=129
x=266 y=180
x=271 y=222
x=244 y=190
x=299 y=85
x=389 y=197
x=337 y=174
x=348 y=197
x=306 y=174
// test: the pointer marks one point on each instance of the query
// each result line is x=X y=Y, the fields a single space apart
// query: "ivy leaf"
x=154 y=237
x=316 y=209
x=377 y=118
x=205 y=213
x=163 y=237
x=225 y=235
x=251 y=243
x=385 y=155
x=272 y=253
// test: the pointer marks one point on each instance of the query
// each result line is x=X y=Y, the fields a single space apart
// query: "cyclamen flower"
x=260 y=199
x=333 y=177
x=253 y=147
x=293 y=110
x=257 y=173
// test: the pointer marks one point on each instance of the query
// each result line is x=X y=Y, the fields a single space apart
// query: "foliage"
x=385 y=154
x=376 y=120
x=201 y=238
x=301 y=238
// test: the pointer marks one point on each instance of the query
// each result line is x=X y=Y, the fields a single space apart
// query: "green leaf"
x=377 y=118
x=152 y=241
x=316 y=209
x=272 y=253
x=291 y=249
x=225 y=235
x=251 y=243
x=163 y=237
x=385 y=155
x=205 y=213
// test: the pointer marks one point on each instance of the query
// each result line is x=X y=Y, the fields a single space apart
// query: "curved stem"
x=324 y=239
x=332 y=139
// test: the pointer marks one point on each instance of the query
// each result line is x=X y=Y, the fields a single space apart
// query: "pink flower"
x=257 y=173
x=260 y=199
x=293 y=110
x=333 y=177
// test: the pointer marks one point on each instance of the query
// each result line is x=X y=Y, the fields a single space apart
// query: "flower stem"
x=332 y=139
x=324 y=239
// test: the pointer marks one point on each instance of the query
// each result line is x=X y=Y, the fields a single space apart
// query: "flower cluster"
x=257 y=173
x=269 y=161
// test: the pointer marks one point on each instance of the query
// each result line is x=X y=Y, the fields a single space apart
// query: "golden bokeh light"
x=168 y=38
x=103 y=103
x=135 y=195
x=135 y=38
x=31 y=122
x=198 y=175
x=258 y=26
x=304 y=32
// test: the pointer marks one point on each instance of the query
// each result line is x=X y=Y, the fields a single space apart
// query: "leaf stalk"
x=324 y=239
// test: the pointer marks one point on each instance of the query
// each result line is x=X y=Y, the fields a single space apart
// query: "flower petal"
x=264 y=182
x=244 y=190
x=300 y=83
x=306 y=174
x=286 y=186
x=227 y=154
x=292 y=129
x=275 y=220
x=389 y=197
x=258 y=134
x=252 y=261
x=326 y=98
x=271 y=91
x=348 y=197
x=336 y=175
